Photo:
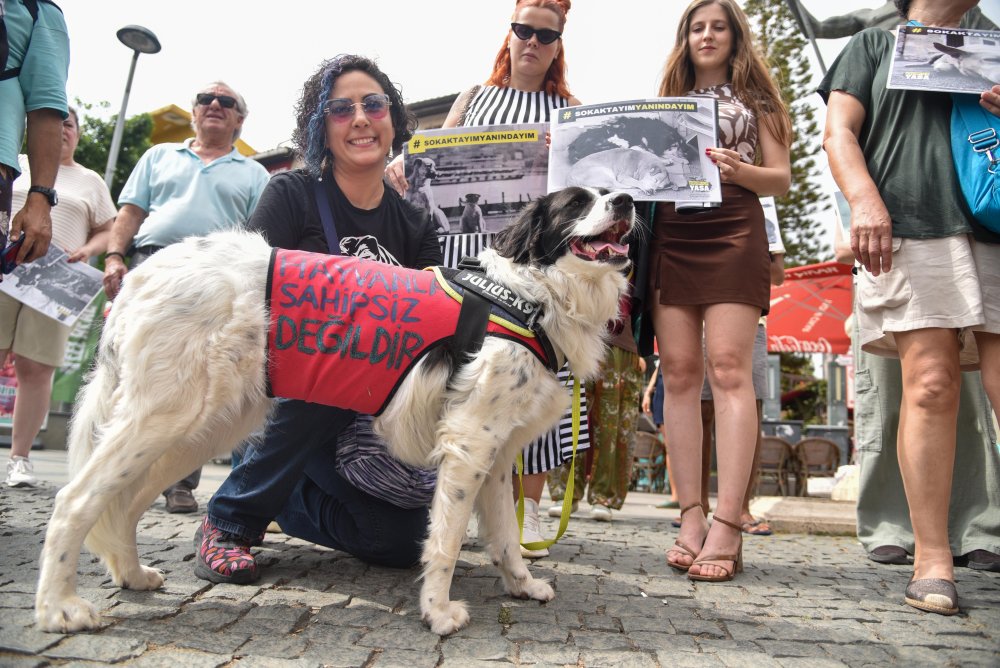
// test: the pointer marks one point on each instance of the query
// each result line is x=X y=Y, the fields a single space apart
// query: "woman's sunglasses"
x=341 y=109
x=225 y=101
x=545 y=35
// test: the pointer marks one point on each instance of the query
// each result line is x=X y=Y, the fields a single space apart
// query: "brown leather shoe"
x=180 y=500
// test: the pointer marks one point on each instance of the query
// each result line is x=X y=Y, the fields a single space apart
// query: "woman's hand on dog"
x=394 y=174
x=728 y=161
x=114 y=272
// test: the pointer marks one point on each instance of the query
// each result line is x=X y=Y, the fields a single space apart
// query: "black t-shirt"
x=394 y=232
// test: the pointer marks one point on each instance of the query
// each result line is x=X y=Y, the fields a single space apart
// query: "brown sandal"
x=737 y=559
x=679 y=546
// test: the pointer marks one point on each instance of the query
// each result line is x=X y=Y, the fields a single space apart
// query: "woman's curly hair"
x=309 y=136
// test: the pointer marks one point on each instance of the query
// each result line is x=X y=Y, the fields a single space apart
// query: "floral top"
x=737 y=123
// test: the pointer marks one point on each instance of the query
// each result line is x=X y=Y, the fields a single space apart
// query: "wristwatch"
x=50 y=193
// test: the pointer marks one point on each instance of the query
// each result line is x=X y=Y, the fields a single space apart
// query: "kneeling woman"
x=349 y=118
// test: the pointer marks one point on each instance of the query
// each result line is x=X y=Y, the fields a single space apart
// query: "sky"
x=615 y=49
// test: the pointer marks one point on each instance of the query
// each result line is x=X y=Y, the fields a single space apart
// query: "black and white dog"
x=181 y=378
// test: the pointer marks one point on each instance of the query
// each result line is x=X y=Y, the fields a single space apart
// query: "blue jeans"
x=290 y=476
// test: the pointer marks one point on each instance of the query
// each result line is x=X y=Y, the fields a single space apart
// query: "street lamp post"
x=140 y=40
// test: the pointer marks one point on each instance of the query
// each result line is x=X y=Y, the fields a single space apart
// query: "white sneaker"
x=600 y=513
x=20 y=473
x=531 y=533
x=555 y=510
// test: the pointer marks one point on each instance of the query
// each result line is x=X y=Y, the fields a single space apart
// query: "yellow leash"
x=567 y=508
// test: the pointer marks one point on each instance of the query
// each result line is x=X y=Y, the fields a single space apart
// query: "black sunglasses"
x=545 y=35
x=206 y=99
x=8 y=259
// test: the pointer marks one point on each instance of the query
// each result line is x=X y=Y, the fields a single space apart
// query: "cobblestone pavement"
x=803 y=601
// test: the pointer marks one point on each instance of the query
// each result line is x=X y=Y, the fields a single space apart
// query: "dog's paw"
x=144 y=579
x=534 y=588
x=72 y=614
x=445 y=620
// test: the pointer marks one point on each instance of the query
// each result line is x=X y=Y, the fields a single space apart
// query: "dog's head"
x=421 y=169
x=589 y=223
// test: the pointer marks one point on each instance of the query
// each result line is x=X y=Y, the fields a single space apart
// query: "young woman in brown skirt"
x=709 y=277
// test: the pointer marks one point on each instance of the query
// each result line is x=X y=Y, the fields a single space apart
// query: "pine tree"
x=780 y=40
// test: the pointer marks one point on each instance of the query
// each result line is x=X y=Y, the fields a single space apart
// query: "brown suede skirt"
x=714 y=256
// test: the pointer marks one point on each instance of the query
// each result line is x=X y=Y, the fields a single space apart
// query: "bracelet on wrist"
x=114 y=253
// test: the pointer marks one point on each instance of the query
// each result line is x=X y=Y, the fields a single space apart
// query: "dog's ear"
x=518 y=240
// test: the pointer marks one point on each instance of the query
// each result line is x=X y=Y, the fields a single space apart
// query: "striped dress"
x=497 y=105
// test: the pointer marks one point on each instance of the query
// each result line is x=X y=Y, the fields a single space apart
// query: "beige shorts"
x=949 y=283
x=30 y=334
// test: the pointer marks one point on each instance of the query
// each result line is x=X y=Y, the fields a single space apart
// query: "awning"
x=809 y=310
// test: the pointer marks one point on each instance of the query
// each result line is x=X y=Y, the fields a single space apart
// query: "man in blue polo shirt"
x=34 y=64
x=183 y=190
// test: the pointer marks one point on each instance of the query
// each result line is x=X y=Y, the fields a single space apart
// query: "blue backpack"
x=975 y=149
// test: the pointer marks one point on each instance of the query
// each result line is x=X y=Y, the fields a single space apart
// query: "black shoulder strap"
x=326 y=215
x=32 y=7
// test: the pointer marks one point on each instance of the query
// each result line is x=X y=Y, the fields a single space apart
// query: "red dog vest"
x=345 y=331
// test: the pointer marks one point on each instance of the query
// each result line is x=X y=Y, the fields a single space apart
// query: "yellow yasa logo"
x=567 y=115
x=916 y=31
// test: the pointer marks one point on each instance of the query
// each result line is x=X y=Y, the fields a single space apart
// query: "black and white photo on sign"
x=652 y=149
x=953 y=60
x=53 y=286
x=476 y=180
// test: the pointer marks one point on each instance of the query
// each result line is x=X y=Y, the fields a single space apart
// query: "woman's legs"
x=679 y=337
x=729 y=337
x=926 y=442
x=34 y=387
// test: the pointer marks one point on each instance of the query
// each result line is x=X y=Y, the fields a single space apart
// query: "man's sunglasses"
x=8 y=259
x=226 y=101
x=545 y=35
x=341 y=109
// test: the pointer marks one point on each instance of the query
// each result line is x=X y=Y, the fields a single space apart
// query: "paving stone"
x=96 y=648
x=335 y=655
x=392 y=638
x=655 y=641
x=687 y=660
x=618 y=659
x=495 y=649
x=398 y=658
x=281 y=646
x=537 y=632
x=171 y=658
x=16 y=638
x=811 y=662
x=547 y=654
x=740 y=659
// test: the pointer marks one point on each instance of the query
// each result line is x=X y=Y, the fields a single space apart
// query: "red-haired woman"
x=709 y=272
x=527 y=83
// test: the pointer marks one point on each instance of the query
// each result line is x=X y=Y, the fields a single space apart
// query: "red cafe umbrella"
x=808 y=311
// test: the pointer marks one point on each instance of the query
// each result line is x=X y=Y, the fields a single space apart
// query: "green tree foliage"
x=95 y=141
x=778 y=36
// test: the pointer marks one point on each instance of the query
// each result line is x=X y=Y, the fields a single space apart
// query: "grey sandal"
x=933 y=595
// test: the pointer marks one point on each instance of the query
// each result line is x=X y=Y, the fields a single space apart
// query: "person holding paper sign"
x=928 y=291
x=81 y=225
x=710 y=273
x=527 y=83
